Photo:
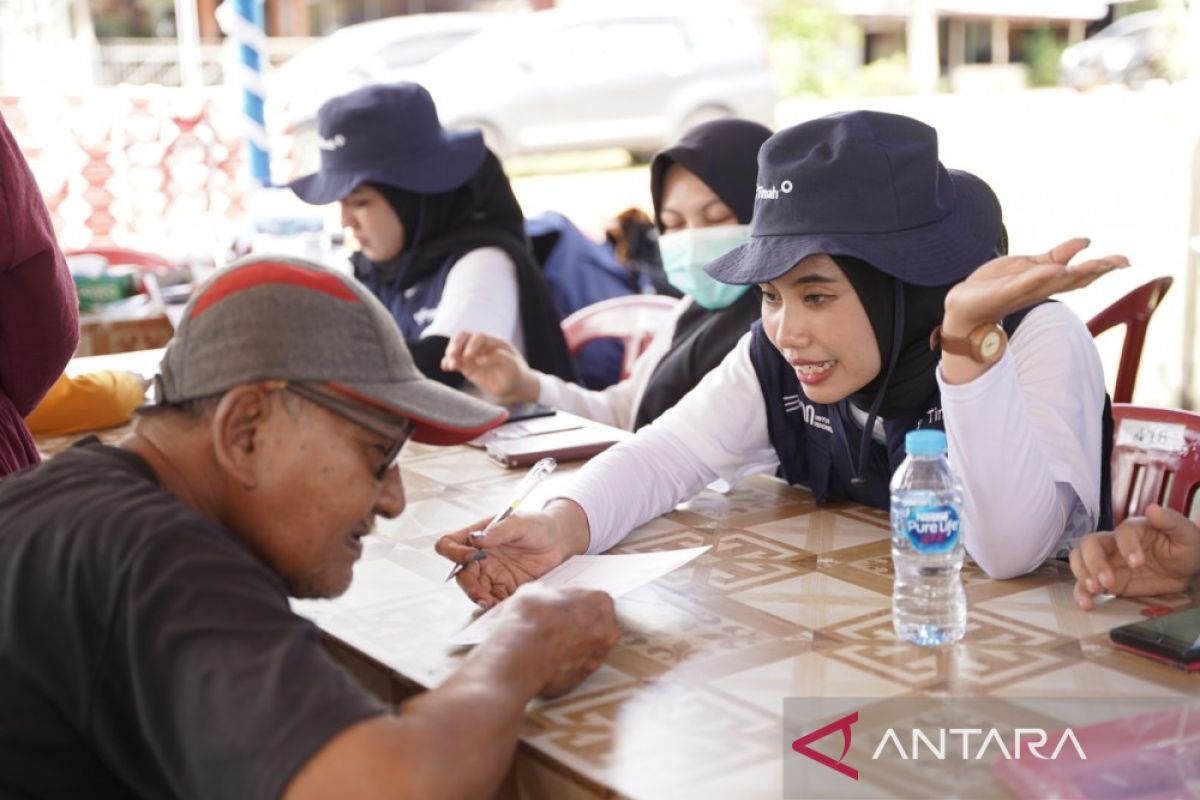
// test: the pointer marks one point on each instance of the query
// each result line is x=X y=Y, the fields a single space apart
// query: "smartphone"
x=1173 y=638
x=520 y=411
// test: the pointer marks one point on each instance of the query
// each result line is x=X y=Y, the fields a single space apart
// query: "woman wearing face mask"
x=703 y=193
x=441 y=236
x=862 y=245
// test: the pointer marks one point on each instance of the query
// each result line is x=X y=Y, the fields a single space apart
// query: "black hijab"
x=445 y=226
x=903 y=316
x=724 y=155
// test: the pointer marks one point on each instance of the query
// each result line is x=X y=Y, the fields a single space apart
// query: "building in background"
x=953 y=38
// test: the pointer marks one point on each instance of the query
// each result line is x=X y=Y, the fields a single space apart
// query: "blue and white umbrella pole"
x=244 y=21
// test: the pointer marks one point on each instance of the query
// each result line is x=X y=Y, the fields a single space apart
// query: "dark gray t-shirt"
x=146 y=651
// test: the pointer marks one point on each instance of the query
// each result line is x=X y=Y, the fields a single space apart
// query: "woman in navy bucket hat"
x=886 y=302
x=441 y=235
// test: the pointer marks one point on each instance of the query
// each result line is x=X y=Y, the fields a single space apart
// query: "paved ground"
x=1112 y=164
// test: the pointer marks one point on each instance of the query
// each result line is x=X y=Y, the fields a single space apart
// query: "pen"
x=537 y=473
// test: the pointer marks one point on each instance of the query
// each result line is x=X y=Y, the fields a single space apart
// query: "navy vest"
x=813 y=440
x=415 y=307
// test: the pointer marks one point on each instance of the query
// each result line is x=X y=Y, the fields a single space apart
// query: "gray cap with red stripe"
x=275 y=318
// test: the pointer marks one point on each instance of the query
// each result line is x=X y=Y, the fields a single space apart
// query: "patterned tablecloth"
x=791 y=601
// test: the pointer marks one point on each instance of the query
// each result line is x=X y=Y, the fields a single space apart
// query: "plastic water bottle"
x=928 y=604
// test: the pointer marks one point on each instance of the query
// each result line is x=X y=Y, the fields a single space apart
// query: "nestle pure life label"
x=932 y=528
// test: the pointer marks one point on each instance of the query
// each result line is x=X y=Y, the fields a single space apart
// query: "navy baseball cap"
x=868 y=185
x=388 y=135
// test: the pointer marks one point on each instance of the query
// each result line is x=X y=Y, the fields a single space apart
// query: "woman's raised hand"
x=1010 y=283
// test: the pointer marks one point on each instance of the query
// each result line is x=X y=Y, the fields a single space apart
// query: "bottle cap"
x=925 y=443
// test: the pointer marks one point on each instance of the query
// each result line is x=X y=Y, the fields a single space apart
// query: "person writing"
x=887 y=306
x=703 y=193
x=147 y=647
x=441 y=236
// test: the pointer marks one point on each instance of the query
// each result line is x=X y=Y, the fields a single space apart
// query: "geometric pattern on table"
x=673 y=736
x=994 y=653
x=793 y=600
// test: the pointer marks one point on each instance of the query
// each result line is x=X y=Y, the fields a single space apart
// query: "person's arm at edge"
x=1157 y=553
x=39 y=313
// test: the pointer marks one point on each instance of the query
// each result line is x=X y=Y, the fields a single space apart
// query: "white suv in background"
x=358 y=55
x=613 y=75
x=610 y=76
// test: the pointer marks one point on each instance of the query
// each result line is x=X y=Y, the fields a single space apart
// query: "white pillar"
x=1075 y=30
x=1192 y=41
x=956 y=45
x=1188 y=394
x=922 y=46
x=999 y=40
x=187 y=33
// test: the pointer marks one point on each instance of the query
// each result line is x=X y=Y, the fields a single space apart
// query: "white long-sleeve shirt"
x=1024 y=437
x=480 y=295
x=616 y=405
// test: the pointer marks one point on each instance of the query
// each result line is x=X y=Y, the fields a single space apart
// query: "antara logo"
x=763 y=193
x=337 y=142
x=1035 y=740
x=801 y=745
x=1030 y=741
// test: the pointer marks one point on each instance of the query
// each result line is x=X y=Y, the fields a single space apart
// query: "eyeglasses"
x=347 y=409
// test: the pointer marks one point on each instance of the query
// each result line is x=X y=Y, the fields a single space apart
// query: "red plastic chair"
x=1155 y=459
x=1133 y=311
x=120 y=257
x=632 y=318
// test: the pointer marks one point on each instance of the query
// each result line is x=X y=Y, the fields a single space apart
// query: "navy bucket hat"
x=388 y=135
x=868 y=185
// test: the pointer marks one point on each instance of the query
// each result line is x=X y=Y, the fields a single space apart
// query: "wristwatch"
x=984 y=344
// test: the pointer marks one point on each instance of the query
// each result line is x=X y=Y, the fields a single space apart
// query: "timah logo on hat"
x=336 y=143
x=763 y=193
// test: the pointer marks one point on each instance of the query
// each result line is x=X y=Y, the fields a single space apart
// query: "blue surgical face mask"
x=684 y=254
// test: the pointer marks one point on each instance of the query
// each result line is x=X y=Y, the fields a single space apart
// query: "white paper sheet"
x=615 y=574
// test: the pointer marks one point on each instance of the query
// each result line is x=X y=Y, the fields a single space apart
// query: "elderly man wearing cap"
x=441 y=235
x=886 y=307
x=146 y=643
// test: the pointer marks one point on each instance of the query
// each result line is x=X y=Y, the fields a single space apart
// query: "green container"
x=101 y=289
